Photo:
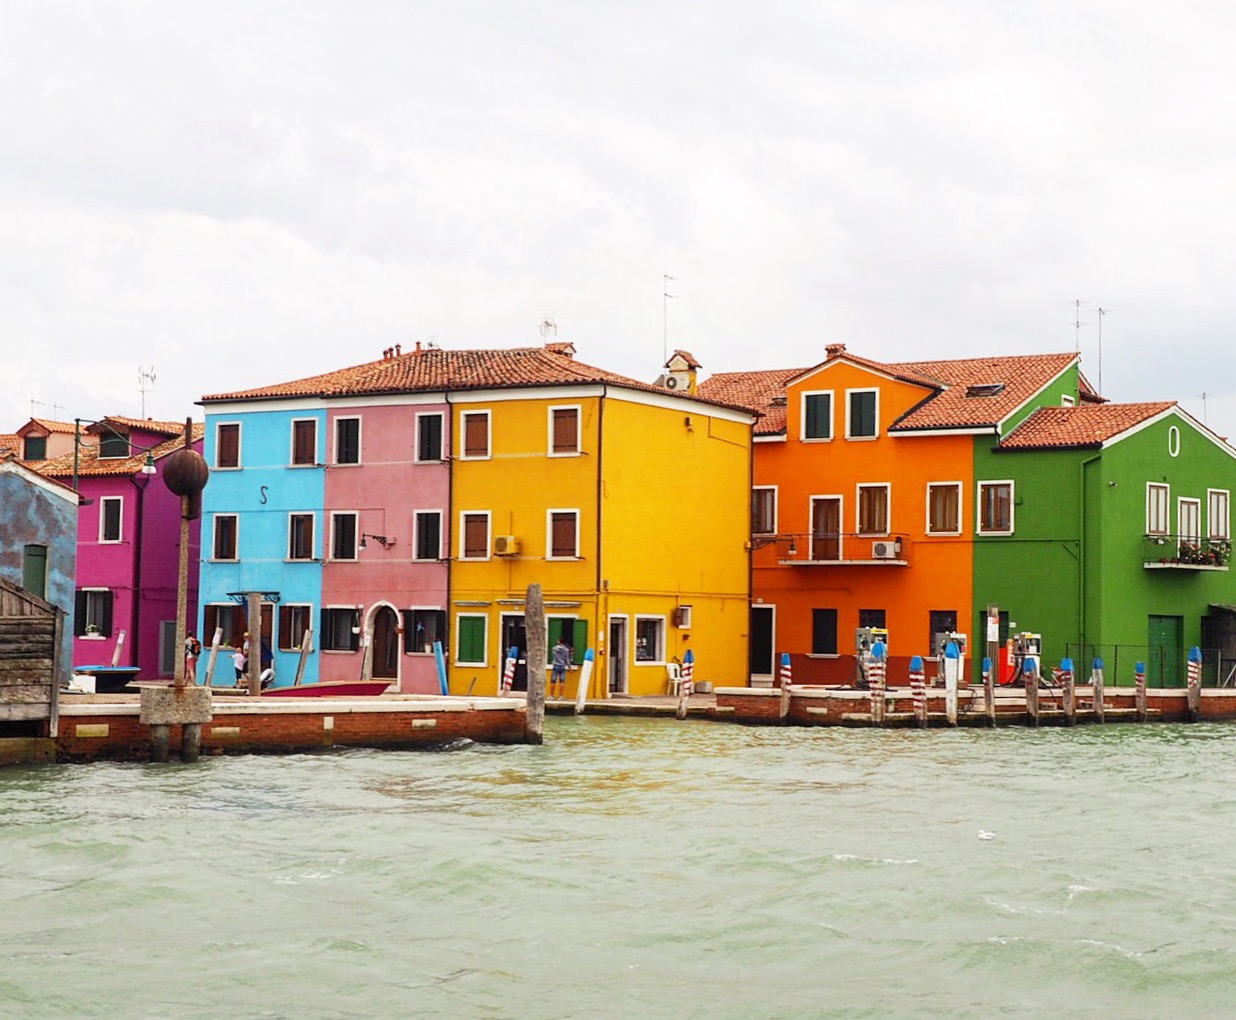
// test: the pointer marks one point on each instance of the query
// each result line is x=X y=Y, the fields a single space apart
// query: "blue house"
x=38 y=541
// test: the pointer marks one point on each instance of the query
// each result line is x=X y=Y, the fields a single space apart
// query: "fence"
x=1165 y=667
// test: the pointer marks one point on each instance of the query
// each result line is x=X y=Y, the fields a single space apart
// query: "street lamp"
x=148 y=466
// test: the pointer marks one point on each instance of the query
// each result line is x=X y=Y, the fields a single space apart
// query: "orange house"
x=864 y=502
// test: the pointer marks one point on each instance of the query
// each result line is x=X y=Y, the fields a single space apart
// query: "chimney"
x=418 y=347
x=398 y=349
x=835 y=350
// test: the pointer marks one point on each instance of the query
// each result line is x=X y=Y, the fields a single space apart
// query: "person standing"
x=193 y=648
x=238 y=663
x=559 y=661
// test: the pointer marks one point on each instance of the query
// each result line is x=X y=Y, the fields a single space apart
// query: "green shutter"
x=581 y=641
x=819 y=416
x=471 y=639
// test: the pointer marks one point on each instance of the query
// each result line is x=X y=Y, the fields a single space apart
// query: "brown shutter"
x=566 y=430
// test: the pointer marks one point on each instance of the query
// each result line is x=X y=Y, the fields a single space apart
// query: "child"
x=238 y=660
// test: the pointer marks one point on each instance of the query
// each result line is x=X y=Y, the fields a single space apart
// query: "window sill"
x=226 y=467
x=348 y=463
x=228 y=559
x=91 y=637
x=861 y=439
x=565 y=453
x=564 y=559
x=816 y=439
x=314 y=465
x=823 y=655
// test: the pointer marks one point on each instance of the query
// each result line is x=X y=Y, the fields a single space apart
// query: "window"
x=34 y=569
x=823 y=632
x=294 y=620
x=113 y=445
x=474 y=536
x=340 y=630
x=563 y=534
x=862 y=415
x=224 y=545
x=1158 y=515
x=1066 y=400
x=429 y=437
x=818 y=415
x=228 y=618
x=995 y=507
x=470 y=640
x=1189 y=520
x=873 y=509
x=347 y=440
x=940 y=622
x=421 y=628
x=34 y=448
x=944 y=508
x=427 y=525
x=92 y=612
x=573 y=631
x=873 y=618
x=563 y=430
x=304 y=442
x=227 y=445
x=343 y=536
x=649 y=639
x=1218 y=521
x=300 y=536
x=764 y=510
x=110 y=514
x=475 y=434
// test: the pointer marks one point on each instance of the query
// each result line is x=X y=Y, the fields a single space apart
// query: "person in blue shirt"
x=559 y=661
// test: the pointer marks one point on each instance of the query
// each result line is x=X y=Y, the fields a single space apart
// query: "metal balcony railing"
x=837 y=549
x=1185 y=552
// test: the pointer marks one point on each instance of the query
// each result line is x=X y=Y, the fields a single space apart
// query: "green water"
x=635 y=868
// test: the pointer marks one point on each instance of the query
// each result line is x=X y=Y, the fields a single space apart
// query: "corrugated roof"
x=1085 y=425
x=435 y=369
x=90 y=464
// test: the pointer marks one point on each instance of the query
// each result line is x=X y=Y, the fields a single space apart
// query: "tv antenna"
x=1077 y=324
x=548 y=326
x=1102 y=312
x=665 y=300
x=145 y=378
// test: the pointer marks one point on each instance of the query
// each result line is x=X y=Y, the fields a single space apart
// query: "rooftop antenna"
x=145 y=377
x=1077 y=324
x=33 y=404
x=1204 y=419
x=1102 y=312
x=548 y=326
x=665 y=300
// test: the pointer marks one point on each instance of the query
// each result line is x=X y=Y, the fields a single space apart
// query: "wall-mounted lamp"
x=149 y=467
x=382 y=540
x=759 y=541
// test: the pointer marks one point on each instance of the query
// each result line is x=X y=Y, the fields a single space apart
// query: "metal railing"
x=837 y=549
x=1165 y=667
x=1186 y=552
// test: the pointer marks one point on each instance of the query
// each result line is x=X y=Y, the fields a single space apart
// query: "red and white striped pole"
x=875 y=675
x=918 y=693
x=508 y=671
x=786 y=681
x=1194 y=673
x=1139 y=690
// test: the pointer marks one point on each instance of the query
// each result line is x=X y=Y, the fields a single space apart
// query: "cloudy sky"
x=242 y=193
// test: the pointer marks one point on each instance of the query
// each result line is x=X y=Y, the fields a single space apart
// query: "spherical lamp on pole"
x=185 y=473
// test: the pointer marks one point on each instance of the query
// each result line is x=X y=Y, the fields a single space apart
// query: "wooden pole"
x=116 y=651
x=917 y=691
x=439 y=658
x=366 y=655
x=1069 y=681
x=534 y=627
x=585 y=680
x=1096 y=684
x=952 y=673
x=993 y=637
x=989 y=690
x=1139 y=690
x=787 y=678
x=1030 y=675
x=253 y=666
x=306 y=646
x=686 y=683
x=214 y=654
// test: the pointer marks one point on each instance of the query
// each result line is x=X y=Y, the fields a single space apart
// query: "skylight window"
x=985 y=389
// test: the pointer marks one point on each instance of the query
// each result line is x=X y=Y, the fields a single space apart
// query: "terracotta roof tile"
x=165 y=428
x=11 y=441
x=91 y=465
x=1084 y=425
x=686 y=356
x=435 y=369
x=762 y=392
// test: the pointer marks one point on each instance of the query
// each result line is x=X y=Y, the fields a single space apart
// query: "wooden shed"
x=30 y=629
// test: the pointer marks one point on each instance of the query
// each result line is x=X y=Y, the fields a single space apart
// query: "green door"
x=34 y=570
x=1165 y=667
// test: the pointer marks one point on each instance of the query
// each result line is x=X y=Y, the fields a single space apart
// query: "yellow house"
x=627 y=502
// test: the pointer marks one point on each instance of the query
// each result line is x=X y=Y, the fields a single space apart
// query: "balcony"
x=837 y=550
x=1177 y=552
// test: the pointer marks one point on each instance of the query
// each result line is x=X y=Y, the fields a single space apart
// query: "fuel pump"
x=1027 y=654
x=865 y=639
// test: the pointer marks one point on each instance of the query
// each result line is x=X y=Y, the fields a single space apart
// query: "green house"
x=1117 y=539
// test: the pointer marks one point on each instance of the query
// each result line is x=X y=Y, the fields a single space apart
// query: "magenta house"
x=128 y=534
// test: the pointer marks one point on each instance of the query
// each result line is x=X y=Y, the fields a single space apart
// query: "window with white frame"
x=429 y=437
x=474 y=535
x=227 y=445
x=470 y=639
x=1189 y=519
x=343 y=536
x=873 y=509
x=563 y=534
x=563 y=431
x=294 y=620
x=862 y=417
x=225 y=543
x=92 y=612
x=475 y=428
x=111 y=513
x=304 y=442
x=1158 y=509
x=650 y=639
x=944 y=508
x=818 y=415
x=340 y=629
x=421 y=628
x=764 y=510
x=347 y=440
x=300 y=536
x=995 y=508
x=1218 y=521
x=427 y=535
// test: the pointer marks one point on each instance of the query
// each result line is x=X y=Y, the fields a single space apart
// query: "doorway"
x=617 y=655
x=826 y=527
x=385 y=664
x=514 y=633
x=1166 y=641
x=762 y=654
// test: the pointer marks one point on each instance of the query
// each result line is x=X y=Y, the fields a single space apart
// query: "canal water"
x=635 y=868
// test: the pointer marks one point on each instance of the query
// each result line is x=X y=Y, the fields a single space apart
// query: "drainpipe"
x=139 y=482
x=448 y=531
x=602 y=602
x=1081 y=545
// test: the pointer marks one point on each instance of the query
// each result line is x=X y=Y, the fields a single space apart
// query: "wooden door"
x=826 y=528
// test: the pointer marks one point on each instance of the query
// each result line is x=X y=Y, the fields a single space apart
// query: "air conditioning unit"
x=884 y=550
x=672 y=382
x=506 y=545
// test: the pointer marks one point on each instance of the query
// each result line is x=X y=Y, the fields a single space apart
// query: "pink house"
x=128 y=541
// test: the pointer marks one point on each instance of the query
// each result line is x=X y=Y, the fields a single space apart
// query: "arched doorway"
x=385 y=644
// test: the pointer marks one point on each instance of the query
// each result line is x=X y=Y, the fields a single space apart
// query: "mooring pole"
x=917 y=692
x=989 y=691
x=1030 y=674
x=215 y=641
x=952 y=673
x=585 y=680
x=1069 y=679
x=1139 y=690
x=306 y=646
x=1194 y=673
x=534 y=627
x=508 y=671
x=875 y=676
x=1096 y=682
x=686 y=683
x=253 y=665
x=787 y=678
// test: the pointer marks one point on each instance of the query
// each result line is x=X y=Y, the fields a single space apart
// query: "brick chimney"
x=835 y=350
